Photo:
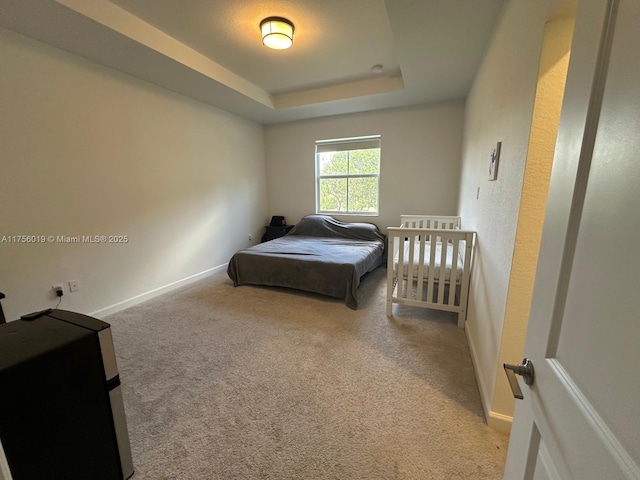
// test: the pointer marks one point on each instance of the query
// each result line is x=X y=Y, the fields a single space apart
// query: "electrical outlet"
x=58 y=289
x=74 y=285
x=250 y=237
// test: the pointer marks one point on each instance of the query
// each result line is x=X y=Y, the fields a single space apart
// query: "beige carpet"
x=258 y=383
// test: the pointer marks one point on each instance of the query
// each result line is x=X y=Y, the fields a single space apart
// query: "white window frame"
x=348 y=144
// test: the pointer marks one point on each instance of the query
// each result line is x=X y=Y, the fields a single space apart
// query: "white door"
x=581 y=417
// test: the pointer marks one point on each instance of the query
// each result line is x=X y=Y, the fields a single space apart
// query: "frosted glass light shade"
x=277 y=32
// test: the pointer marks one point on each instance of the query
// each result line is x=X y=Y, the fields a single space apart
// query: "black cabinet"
x=275 y=231
x=61 y=409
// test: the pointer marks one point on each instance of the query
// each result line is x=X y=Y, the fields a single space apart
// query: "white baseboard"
x=482 y=386
x=497 y=421
x=103 y=312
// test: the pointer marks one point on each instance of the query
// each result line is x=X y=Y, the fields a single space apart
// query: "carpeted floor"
x=257 y=383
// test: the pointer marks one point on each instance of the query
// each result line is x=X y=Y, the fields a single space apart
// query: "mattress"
x=427 y=258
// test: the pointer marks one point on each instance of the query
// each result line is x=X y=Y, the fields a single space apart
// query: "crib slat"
x=432 y=262
x=454 y=273
x=412 y=248
x=420 y=279
x=442 y=269
x=401 y=282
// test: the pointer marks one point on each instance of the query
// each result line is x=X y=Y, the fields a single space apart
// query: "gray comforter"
x=320 y=254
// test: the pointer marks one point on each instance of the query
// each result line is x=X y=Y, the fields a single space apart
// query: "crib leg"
x=391 y=285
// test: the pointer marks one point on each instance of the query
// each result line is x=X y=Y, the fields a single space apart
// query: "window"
x=348 y=175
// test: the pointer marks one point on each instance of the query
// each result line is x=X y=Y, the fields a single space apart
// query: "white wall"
x=420 y=162
x=499 y=108
x=90 y=151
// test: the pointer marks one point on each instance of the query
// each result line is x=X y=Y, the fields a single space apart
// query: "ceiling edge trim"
x=130 y=26
x=342 y=91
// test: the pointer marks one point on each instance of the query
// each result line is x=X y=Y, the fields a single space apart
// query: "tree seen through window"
x=348 y=180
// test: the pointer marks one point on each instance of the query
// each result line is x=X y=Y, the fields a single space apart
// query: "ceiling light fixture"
x=277 y=32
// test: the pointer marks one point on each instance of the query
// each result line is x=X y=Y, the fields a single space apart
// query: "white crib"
x=429 y=264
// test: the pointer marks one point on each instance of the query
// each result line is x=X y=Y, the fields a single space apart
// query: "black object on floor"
x=61 y=409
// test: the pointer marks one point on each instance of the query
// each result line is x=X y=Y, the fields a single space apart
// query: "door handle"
x=525 y=370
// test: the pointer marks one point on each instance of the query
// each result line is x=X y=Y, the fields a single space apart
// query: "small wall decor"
x=493 y=164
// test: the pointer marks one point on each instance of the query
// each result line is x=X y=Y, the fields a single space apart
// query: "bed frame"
x=417 y=235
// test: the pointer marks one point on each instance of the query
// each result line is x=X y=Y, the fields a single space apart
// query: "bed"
x=429 y=264
x=320 y=254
